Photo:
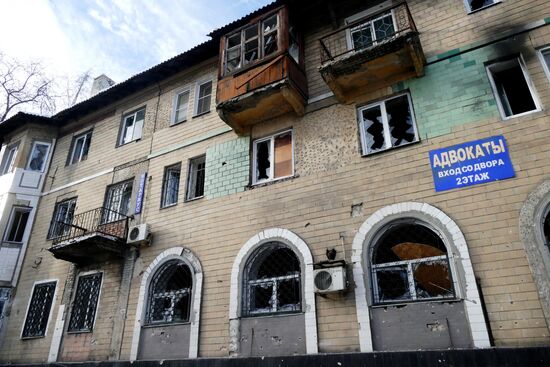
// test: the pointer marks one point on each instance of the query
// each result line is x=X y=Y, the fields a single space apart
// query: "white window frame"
x=87 y=136
x=387 y=135
x=365 y=14
x=197 y=93
x=271 y=155
x=192 y=178
x=91 y=272
x=165 y=182
x=29 y=304
x=9 y=158
x=470 y=11
x=14 y=209
x=34 y=144
x=175 y=109
x=545 y=66
x=503 y=65
x=123 y=126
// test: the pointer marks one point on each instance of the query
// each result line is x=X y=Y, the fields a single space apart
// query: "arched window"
x=546 y=226
x=170 y=294
x=409 y=262
x=272 y=281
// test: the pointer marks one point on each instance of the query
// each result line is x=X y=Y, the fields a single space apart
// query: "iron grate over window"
x=410 y=263
x=39 y=310
x=272 y=281
x=170 y=294
x=85 y=303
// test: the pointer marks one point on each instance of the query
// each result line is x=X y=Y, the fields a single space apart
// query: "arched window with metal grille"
x=272 y=281
x=546 y=227
x=409 y=262
x=170 y=293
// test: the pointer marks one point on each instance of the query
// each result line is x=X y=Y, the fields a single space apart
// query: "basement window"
x=410 y=263
x=38 y=312
x=132 y=126
x=62 y=218
x=387 y=124
x=170 y=185
x=196 y=176
x=17 y=224
x=170 y=294
x=79 y=148
x=512 y=87
x=85 y=303
x=474 y=5
x=9 y=159
x=272 y=158
x=272 y=281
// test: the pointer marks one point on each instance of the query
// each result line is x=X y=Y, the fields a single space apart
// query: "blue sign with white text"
x=471 y=163
x=140 y=193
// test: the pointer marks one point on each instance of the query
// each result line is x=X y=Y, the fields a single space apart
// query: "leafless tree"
x=73 y=91
x=24 y=86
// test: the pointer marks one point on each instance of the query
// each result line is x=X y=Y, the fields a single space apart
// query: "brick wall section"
x=227 y=168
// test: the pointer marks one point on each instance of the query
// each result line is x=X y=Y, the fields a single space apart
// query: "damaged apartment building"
x=319 y=182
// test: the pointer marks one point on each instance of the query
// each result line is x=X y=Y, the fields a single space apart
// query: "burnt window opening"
x=387 y=124
x=85 y=303
x=410 y=263
x=273 y=158
x=512 y=88
x=474 y=5
x=272 y=281
x=38 y=312
x=196 y=178
x=170 y=294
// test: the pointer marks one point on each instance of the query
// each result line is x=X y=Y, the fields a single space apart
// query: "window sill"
x=130 y=142
x=271 y=182
x=390 y=149
x=411 y=302
x=169 y=206
x=32 y=337
x=485 y=7
x=275 y=314
x=508 y=118
x=194 y=199
x=177 y=123
x=80 y=332
x=201 y=114
x=164 y=324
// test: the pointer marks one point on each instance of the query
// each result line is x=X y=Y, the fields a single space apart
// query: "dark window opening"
x=62 y=218
x=272 y=281
x=478 y=4
x=170 y=294
x=17 y=225
x=117 y=201
x=546 y=228
x=85 y=303
x=409 y=262
x=263 y=163
x=38 y=312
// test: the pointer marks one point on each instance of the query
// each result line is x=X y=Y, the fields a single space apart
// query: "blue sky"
x=118 y=38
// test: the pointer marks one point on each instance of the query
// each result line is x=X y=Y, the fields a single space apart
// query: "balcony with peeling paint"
x=261 y=72
x=371 y=52
x=91 y=237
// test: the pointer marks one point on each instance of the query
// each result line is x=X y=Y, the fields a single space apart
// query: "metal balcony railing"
x=100 y=220
x=373 y=30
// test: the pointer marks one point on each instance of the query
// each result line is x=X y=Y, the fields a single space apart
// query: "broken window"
x=272 y=281
x=85 y=303
x=9 y=159
x=62 y=218
x=410 y=263
x=195 y=182
x=132 y=126
x=39 y=156
x=80 y=147
x=170 y=294
x=202 y=97
x=170 y=185
x=38 y=312
x=512 y=88
x=251 y=43
x=273 y=157
x=372 y=30
x=17 y=224
x=473 y=5
x=387 y=124
x=117 y=201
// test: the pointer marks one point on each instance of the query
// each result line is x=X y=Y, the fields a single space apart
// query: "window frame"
x=106 y=219
x=16 y=208
x=192 y=179
x=120 y=140
x=46 y=157
x=272 y=150
x=81 y=275
x=50 y=312
x=8 y=161
x=365 y=15
x=470 y=11
x=68 y=201
x=502 y=65
x=545 y=65
x=387 y=134
x=163 y=196
x=198 y=86
x=87 y=135
x=177 y=94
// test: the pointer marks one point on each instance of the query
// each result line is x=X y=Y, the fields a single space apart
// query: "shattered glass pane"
x=250 y=51
x=251 y=32
x=234 y=40
x=392 y=284
x=261 y=297
x=383 y=27
x=270 y=23
x=400 y=121
x=263 y=160
x=270 y=43
x=432 y=279
x=361 y=36
x=233 y=59
x=287 y=295
x=374 y=129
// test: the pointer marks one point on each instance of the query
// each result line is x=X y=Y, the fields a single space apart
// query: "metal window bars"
x=38 y=312
x=85 y=303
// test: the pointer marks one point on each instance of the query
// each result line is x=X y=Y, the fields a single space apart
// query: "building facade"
x=394 y=151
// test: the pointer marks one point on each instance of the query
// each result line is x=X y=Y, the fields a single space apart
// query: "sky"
x=117 y=38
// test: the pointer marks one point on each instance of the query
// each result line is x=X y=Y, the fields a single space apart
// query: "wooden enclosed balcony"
x=372 y=52
x=91 y=237
x=261 y=72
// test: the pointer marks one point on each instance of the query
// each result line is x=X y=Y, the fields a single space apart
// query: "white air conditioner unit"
x=330 y=279
x=139 y=234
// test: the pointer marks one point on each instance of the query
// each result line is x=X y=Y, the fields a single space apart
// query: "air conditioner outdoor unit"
x=329 y=279
x=139 y=234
